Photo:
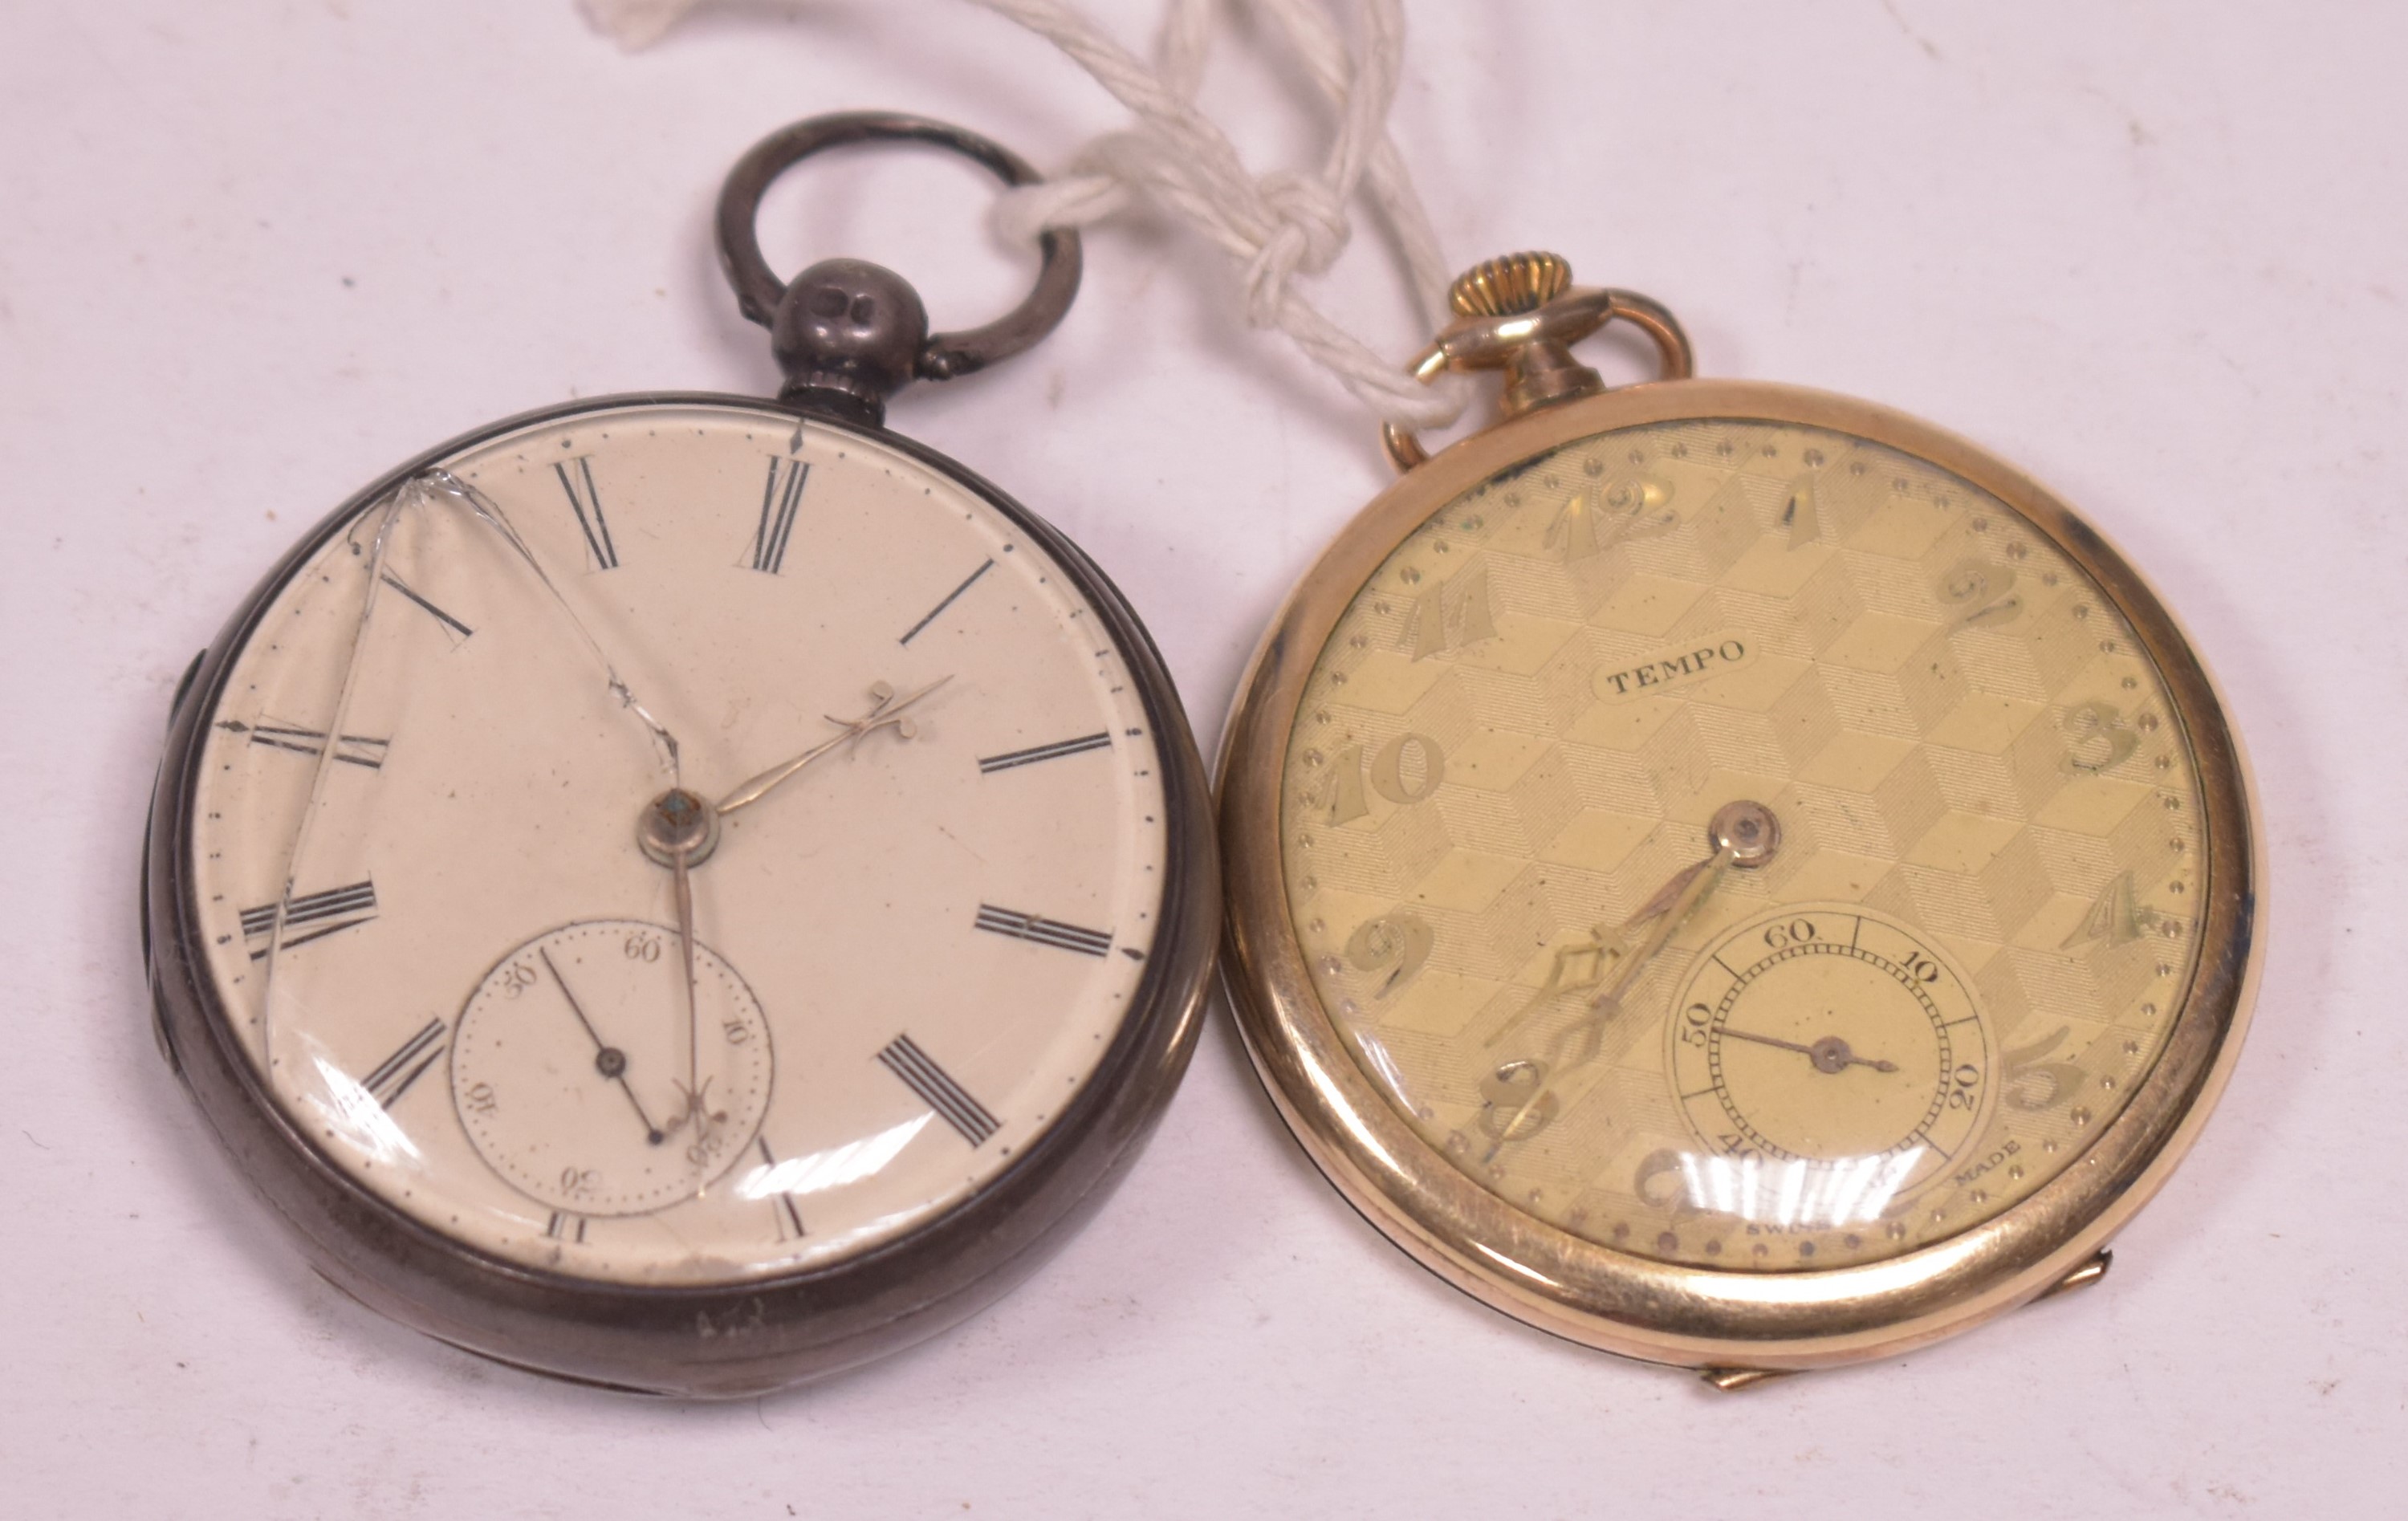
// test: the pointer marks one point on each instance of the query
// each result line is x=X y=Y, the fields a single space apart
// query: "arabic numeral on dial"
x=1795 y=932
x=516 y=979
x=578 y=1182
x=1965 y=1086
x=1920 y=967
x=1980 y=588
x=1408 y=768
x=1342 y=799
x=708 y=1143
x=1695 y=1021
x=2042 y=1085
x=481 y=1099
x=1801 y=517
x=1448 y=616
x=641 y=945
x=2096 y=738
x=1516 y=1104
x=736 y=1031
x=1395 y=943
x=2034 y=1084
x=2115 y=918
x=1661 y=1180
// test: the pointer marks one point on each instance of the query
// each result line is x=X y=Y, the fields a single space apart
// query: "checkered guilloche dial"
x=1960 y=938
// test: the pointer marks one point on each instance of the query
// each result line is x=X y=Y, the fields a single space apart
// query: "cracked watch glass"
x=1733 y=874
x=686 y=892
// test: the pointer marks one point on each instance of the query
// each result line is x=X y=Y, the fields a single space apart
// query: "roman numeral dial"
x=781 y=497
x=312 y=916
x=1041 y=931
x=936 y=1088
x=950 y=598
x=577 y=484
x=786 y=1216
x=351 y=750
x=917 y=792
x=394 y=1076
x=991 y=764
x=450 y=625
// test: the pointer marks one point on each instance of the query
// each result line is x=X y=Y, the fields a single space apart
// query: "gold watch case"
x=1736 y=1327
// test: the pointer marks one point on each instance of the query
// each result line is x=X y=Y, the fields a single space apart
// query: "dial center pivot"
x=678 y=823
x=1749 y=830
x=1834 y=1056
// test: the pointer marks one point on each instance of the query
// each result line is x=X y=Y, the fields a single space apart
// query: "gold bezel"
x=1639 y=1307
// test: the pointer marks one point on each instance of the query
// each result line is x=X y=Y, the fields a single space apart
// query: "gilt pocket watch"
x=1729 y=874
x=684 y=892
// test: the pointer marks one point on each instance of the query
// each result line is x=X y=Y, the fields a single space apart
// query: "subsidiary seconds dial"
x=1835 y=1038
x=570 y=1068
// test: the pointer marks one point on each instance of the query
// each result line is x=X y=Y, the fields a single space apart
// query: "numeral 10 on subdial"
x=1406 y=770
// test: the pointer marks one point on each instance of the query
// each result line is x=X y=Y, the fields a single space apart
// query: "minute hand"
x=888 y=714
x=1588 y=1031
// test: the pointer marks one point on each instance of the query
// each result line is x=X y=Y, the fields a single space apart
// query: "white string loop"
x=1276 y=225
x=1309 y=230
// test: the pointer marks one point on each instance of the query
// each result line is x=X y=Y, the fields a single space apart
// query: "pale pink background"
x=252 y=254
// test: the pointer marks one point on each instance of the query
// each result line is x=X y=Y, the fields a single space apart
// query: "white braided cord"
x=1274 y=226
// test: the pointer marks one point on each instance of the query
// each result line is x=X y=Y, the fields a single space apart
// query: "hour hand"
x=887 y=711
x=1614 y=961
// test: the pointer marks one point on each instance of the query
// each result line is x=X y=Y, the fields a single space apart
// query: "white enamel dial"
x=909 y=953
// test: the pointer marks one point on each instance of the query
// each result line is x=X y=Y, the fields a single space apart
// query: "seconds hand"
x=1829 y=1054
x=609 y=1060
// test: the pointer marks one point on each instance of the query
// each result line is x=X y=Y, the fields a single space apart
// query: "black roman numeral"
x=1027 y=927
x=587 y=504
x=923 y=1076
x=314 y=916
x=991 y=764
x=778 y=499
x=950 y=598
x=354 y=749
x=451 y=625
x=397 y=1073
x=563 y=1227
x=790 y=1219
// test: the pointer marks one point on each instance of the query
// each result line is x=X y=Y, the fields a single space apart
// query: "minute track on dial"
x=642 y=1163
x=1492 y=713
x=528 y=680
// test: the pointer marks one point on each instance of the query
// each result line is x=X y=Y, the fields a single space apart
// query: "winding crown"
x=1506 y=287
